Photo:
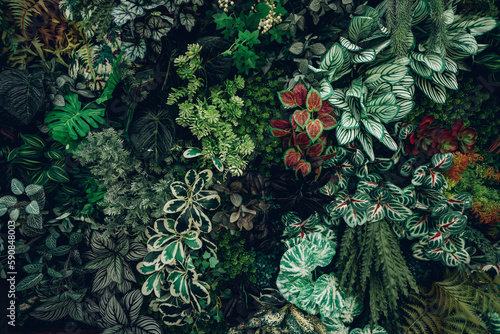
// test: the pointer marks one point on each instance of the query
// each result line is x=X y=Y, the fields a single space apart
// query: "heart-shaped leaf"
x=287 y=98
x=301 y=117
x=314 y=129
x=313 y=101
x=291 y=158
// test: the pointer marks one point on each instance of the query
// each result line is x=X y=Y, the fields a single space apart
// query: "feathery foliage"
x=371 y=259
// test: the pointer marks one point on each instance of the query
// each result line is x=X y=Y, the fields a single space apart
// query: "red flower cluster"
x=435 y=139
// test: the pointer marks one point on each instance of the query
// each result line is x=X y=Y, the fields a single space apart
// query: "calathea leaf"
x=153 y=135
x=216 y=66
x=22 y=94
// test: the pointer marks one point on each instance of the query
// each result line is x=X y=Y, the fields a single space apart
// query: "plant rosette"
x=302 y=135
x=296 y=284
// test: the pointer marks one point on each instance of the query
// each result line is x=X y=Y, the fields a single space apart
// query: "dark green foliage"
x=232 y=255
x=373 y=267
x=419 y=319
x=22 y=93
x=399 y=23
x=134 y=196
x=266 y=268
x=477 y=7
x=153 y=135
x=459 y=301
x=262 y=104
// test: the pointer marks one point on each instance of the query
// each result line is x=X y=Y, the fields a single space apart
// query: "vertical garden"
x=232 y=166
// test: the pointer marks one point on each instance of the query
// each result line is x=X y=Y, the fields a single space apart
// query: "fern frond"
x=418 y=319
x=86 y=54
x=457 y=324
x=22 y=13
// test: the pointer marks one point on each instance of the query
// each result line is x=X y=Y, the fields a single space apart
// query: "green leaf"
x=396 y=211
x=218 y=164
x=17 y=187
x=452 y=222
x=153 y=135
x=179 y=190
x=54 y=273
x=333 y=59
x=22 y=94
x=327 y=295
x=262 y=9
x=71 y=121
x=192 y=240
x=175 y=205
x=29 y=282
x=298 y=262
x=33 y=208
x=58 y=174
x=360 y=27
x=179 y=286
x=192 y=153
x=345 y=136
x=34 y=141
x=364 y=56
x=33 y=268
x=434 y=92
x=442 y=161
x=32 y=189
x=445 y=79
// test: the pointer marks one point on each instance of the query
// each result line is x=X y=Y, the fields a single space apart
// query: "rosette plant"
x=432 y=140
x=302 y=134
x=190 y=200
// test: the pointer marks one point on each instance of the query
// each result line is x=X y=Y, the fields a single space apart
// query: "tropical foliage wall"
x=269 y=166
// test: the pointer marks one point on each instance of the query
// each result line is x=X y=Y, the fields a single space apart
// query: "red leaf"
x=280 y=133
x=313 y=101
x=314 y=129
x=294 y=124
x=291 y=158
x=301 y=117
x=287 y=98
x=326 y=108
x=284 y=125
x=315 y=150
x=300 y=93
x=328 y=121
x=303 y=140
x=303 y=166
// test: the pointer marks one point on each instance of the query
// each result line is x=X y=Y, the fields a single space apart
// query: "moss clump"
x=261 y=105
x=233 y=257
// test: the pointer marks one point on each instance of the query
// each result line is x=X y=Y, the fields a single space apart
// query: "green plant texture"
x=235 y=260
x=472 y=104
x=212 y=117
x=134 y=197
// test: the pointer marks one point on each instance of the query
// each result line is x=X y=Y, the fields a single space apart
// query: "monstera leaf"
x=72 y=121
x=22 y=94
x=153 y=135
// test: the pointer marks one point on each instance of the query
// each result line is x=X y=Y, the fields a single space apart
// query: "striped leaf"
x=396 y=211
x=434 y=92
x=445 y=79
x=364 y=56
x=345 y=136
x=360 y=27
x=374 y=127
x=58 y=174
x=333 y=59
x=421 y=69
x=348 y=45
x=33 y=141
x=452 y=222
x=442 y=161
x=326 y=89
x=354 y=217
x=347 y=121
